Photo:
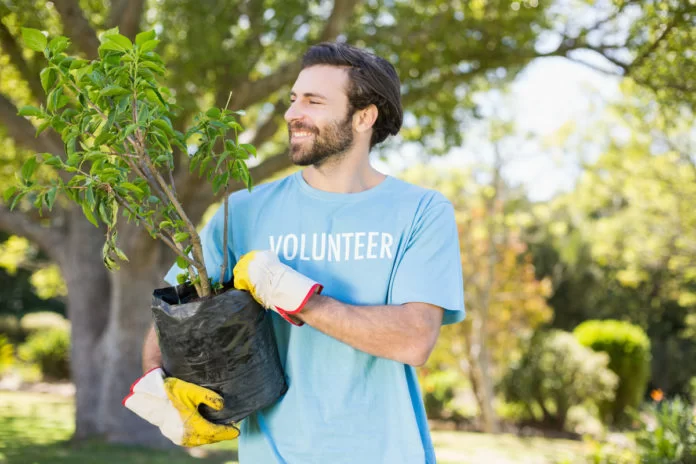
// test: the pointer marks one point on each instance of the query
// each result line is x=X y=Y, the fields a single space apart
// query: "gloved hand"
x=172 y=405
x=273 y=284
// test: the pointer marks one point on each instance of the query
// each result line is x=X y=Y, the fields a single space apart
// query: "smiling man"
x=360 y=270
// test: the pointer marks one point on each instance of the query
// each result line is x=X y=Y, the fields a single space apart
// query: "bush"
x=439 y=389
x=618 y=449
x=50 y=350
x=668 y=434
x=628 y=348
x=555 y=374
x=43 y=321
x=6 y=354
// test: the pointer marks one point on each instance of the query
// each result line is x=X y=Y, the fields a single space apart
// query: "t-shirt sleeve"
x=212 y=241
x=430 y=270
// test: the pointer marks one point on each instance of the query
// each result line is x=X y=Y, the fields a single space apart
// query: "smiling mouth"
x=298 y=136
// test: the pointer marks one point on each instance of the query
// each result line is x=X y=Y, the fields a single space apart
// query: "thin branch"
x=10 y=46
x=167 y=240
x=225 y=228
x=251 y=92
x=77 y=27
x=639 y=60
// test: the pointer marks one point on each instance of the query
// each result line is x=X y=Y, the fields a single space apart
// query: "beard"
x=331 y=142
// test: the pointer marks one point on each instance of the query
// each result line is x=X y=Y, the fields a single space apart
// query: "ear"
x=364 y=119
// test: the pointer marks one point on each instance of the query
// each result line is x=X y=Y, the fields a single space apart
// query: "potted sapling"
x=115 y=121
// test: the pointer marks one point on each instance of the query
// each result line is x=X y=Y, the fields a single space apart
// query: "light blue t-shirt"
x=392 y=244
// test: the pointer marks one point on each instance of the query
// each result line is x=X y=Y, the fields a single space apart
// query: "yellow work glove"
x=172 y=405
x=274 y=285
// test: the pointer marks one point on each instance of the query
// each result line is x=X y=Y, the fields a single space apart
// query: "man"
x=360 y=268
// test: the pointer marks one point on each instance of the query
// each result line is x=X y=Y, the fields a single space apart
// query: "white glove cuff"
x=292 y=294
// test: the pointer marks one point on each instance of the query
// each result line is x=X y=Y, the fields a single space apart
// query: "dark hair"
x=372 y=81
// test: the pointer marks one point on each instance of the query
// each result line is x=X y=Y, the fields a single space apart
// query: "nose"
x=292 y=113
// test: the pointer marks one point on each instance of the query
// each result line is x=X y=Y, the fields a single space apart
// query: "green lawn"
x=34 y=429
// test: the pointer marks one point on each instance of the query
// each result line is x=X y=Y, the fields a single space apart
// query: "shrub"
x=439 y=389
x=6 y=353
x=556 y=373
x=668 y=434
x=618 y=449
x=628 y=348
x=50 y=350
x=43 y=321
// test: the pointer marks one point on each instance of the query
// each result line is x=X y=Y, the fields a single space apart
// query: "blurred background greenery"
x=561 y=130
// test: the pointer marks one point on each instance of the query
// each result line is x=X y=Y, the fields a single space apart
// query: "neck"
x=350 y=172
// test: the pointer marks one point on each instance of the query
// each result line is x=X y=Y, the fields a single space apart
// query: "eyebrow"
x=309 y=95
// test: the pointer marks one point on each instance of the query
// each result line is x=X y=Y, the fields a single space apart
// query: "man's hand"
x=172 y=405
x=273 y=284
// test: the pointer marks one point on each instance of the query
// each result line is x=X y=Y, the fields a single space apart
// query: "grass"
x=35 y=429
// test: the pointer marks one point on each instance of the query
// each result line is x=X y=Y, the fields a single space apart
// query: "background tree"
x=504 y=301
x=253 y=48
x=622 y=244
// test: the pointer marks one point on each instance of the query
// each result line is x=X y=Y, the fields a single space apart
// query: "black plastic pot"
x=224 y=343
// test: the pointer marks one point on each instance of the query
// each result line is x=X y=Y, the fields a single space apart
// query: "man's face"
x=319 y=125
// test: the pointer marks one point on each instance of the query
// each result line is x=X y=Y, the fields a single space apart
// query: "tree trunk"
x=479 y=374
x=88 y=307
x=110 y=312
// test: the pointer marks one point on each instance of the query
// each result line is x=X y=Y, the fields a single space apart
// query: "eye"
x=314 y=102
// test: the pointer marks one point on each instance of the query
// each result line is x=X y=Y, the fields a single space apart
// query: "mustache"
x=304 y=127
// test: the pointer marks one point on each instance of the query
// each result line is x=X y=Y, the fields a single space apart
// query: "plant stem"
x=179 y=250
x=225 y=251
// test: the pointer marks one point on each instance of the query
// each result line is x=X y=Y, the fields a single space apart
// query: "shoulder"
x=422 y=198
x=260 y=192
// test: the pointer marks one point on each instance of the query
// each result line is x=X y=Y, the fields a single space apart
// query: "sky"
x=548 y=94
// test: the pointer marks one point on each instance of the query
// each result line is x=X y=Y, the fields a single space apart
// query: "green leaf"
x=113 y=90
x=181 y=262
x=182 y=278
x=78 y=64
x=149 y=46
x=29 y=167
x=181 y=236
x=34 y=39
x=110 y=46
x=43 y=126
x=48 y=78
x=88 y=214
x=17 y=197
x=7 y=194
x=145 y=36
x=249 y=148
x=161 y=124
x=109 y=32
x=120 y=40
x=29 y=110
x=213 y=113
x=133 y=188
x=121 y=255
x=58 y=44
x=52 y=160
x=89 y=197
x=51 y=197
x=218 y=183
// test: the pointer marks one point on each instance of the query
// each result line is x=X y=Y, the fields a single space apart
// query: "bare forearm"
x=404 y=333
x=152 y=356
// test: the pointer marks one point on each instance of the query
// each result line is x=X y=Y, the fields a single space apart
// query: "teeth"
x=301 y=134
